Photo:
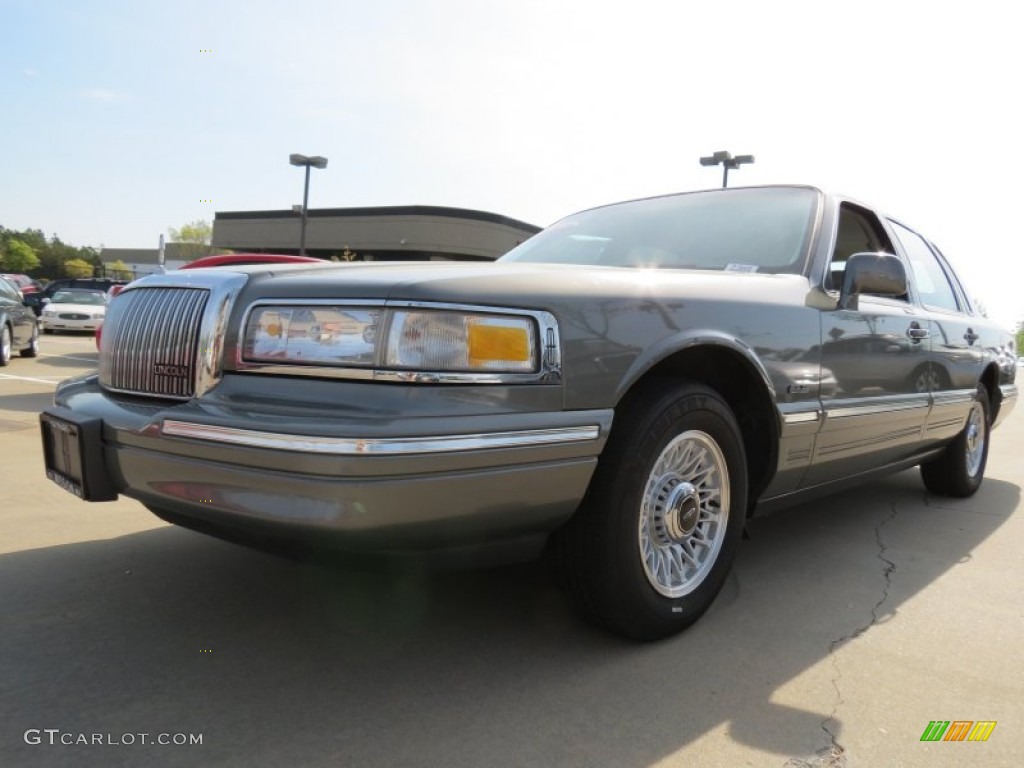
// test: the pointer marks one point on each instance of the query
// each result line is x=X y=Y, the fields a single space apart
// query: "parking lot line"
x=55 y=382
x=71 y=357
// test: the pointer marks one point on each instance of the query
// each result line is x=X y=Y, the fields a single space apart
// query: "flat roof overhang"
x=414 y=229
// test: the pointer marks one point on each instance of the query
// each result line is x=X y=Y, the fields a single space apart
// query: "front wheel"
x=650 y=547
x=960 y=468
x=5 y=345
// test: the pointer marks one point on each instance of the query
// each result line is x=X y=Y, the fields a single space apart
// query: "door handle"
x=971 y=336
x=916 y=332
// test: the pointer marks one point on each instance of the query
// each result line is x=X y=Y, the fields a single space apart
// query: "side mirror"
x=30 y=300
x=880 y=274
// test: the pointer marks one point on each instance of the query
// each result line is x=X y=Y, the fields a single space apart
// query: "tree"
x=193 y=239
x=78 y=268
x=51 y=254
x=18 y=256
x=1019 y=345
x=119 y=270
x=52 y=257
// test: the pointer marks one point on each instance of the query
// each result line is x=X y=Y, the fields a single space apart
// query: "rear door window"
x=932 y=283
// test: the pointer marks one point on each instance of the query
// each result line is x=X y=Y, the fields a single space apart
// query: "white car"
x=73 y=309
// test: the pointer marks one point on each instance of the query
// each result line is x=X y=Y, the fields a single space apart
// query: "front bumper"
x=59 y=324
x=446 y=475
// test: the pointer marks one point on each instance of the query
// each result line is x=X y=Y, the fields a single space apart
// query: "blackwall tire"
x=960 y=468
x=651 y=545
x=32 y=350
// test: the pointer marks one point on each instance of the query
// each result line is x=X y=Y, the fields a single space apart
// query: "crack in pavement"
x=834 y=755
x=927 y=498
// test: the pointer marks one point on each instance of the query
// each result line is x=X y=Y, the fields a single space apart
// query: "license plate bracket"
x=73 y=454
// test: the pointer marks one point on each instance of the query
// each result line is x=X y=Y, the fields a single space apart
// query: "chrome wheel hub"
x=678 y=519
x=683 y=513
x=975 y=439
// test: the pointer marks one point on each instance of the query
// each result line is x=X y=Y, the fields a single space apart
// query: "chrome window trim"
x=390 y=446
x=548 y=346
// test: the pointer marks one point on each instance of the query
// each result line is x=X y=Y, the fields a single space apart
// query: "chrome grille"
x=151 y=339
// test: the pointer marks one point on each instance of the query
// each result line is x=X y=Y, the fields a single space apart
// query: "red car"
x=236 y=259
x=23 y=283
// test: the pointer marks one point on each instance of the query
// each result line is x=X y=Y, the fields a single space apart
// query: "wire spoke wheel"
x=684 y=512
x=974 y=439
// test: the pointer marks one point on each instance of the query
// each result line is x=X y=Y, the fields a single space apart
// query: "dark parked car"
x=101 y=284
x=622 y=390
x=18 y=329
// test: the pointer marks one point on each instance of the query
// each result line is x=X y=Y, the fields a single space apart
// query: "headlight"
x=399 y=340
x=454 y=341
x=317 y=335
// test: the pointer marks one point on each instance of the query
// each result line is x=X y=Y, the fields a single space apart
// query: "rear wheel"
x=32 y=350
x=652 y=544
x=960 y=468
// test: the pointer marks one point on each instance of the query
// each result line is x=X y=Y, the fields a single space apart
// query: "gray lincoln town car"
x=620 y=392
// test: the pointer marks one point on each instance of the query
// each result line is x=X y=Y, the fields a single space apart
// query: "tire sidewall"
x=973 y=482
x=947 y=473
x=32 y=350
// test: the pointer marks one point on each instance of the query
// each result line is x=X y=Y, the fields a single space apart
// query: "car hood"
x=538 y=286
x=83 y=308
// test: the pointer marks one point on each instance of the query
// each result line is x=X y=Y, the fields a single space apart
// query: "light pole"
x=307 y=162
x=727 y=161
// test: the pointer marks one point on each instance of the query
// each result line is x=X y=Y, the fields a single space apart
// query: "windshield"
x=744 y=230
x=79 y=297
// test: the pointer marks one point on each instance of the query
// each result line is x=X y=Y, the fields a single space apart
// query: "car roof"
x=711 y=191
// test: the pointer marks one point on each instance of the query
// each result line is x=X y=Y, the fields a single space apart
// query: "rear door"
x=957 y=352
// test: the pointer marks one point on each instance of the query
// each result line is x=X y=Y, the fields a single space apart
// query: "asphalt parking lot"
x=847 y=626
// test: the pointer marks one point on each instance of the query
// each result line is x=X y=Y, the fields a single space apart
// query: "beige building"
x=142 y=261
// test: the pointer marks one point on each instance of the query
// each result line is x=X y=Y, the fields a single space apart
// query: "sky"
x=123 y=119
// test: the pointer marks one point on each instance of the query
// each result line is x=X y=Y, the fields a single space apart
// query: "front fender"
x=692 y=338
